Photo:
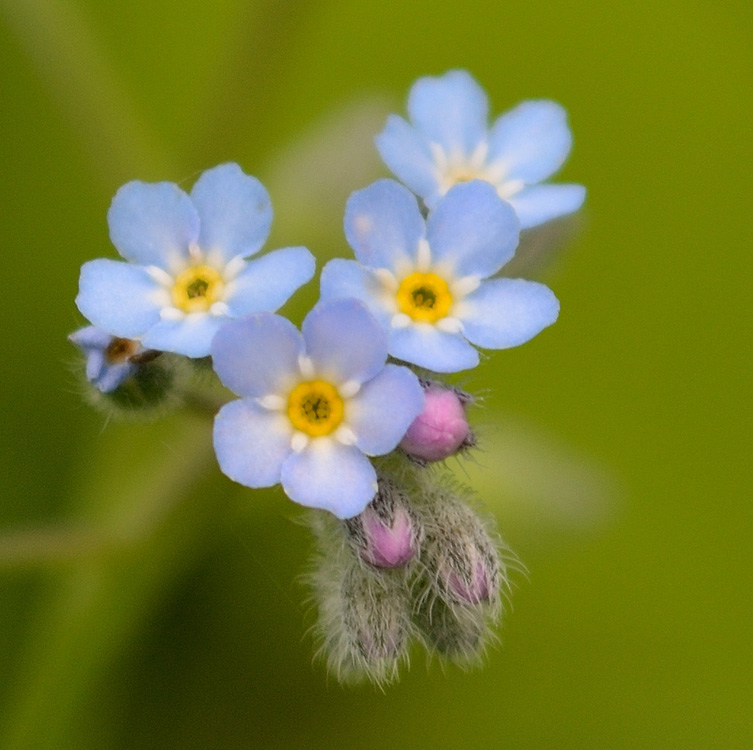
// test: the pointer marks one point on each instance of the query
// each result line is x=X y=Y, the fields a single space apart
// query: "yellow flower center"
x=315 y=408
x=197 y=288
x=424 y=297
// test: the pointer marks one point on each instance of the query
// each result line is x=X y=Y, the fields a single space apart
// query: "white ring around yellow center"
x=197 y=288
x=315 y=408
x=424 y=297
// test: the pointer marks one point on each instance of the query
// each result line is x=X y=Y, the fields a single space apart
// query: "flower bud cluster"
x=419 y=564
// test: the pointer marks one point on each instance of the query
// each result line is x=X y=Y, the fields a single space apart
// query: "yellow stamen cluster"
x=315 y=408
x=424 y=297
x=197 y=288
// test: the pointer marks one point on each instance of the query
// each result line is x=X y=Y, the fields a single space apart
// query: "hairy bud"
x=386 y=534
x=442 y=429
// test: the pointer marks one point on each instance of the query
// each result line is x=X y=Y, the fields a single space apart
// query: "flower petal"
x=407 y=153
x=383 y=224
x=452 y=110
x=258 y=355
x=122 y=299
x=507 y=312
x=235 y=212
x=348 y=278
x=540 y=203
x=383 y=410
x=531 y=141
x=251 y=443
x=111 y=376
x=472 y=230
x=345 y=341
x=153 y=224
x=331 y=476
x=90 y=337
x=266 y=283
x=191 y=335
x=427 y=346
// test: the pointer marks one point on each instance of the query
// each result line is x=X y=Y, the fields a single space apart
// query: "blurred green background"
x=149 y=603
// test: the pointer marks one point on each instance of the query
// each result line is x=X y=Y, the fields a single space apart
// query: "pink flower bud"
x=473 y=591
x=385 y=534
x=387 y=545
x=441 y=429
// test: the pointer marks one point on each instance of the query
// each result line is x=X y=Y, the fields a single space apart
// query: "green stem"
x=100 y=600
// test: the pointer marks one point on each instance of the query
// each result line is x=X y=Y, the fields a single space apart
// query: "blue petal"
x=452 y=110
x=383 y=224
x=91 y=337
x=266 y=283
x=331 y=476
x=251 y=443
x=532 y=141
x=95 y=364
x=406 y=152
x=341 y=279
x=112 y=376
x=427 y=346
x=507 y=312
x=153 y=224
x=192 y=335
x=383 y=410
x=120 y=298
x=345 y=341
x=540 y=203
x=258 y=355
x=473 y=230
x=235 y=212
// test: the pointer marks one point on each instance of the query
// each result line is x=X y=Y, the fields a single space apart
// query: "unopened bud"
x=441 y=430
x=474 y=589
x=386 y=533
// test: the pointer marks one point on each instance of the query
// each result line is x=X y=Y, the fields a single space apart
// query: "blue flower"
x=424 y=281
x=314 y=404
x=187 y=272
x=448 y=141
x=109 y=360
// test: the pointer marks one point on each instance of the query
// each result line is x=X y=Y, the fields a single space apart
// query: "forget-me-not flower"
x=110 y=361
x=448 y=141
x=425 y=280
x=187 y=271
x=313 y=404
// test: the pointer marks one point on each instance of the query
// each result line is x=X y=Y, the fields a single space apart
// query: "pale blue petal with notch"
x=473 y=230
x=266 y=283
x=383 y=410
x=426 y=346
x=532 y=141
x=406 y=152
x=507 y=312
x=118 y=297
x=251 y=443
x=342 y=278
x=257 y=355
x=344 y=341
x=383 y=224
x=235 y=212
x=540 y=203
x=330 y=476
x=153 y=224
x=191 y=335
x=451 y=110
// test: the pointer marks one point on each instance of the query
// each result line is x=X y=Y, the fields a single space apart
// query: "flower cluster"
x=351 y=414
